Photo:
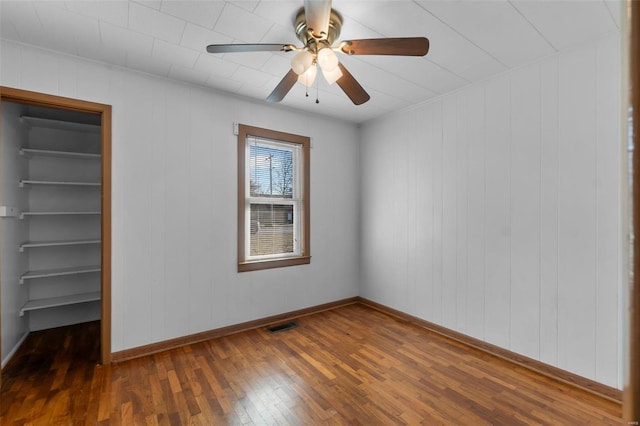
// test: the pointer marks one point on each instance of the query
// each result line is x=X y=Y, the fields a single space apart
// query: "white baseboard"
x=14 y=350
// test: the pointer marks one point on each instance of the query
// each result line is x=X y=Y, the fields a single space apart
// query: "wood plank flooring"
x=350 y=365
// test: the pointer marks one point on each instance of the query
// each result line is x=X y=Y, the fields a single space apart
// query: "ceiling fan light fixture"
x=302 y=62
x=332 y=76
x=318 y=27
x=327 y=59
x=308 y=77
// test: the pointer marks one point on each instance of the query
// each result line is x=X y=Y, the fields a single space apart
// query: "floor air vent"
x=282 y=327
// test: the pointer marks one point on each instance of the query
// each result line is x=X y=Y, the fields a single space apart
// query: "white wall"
x=495 y=211
x=174 y=200
x=13 y=230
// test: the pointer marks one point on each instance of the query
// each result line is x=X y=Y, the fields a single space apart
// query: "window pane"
x=273 y=199
x=271 y=229
x=271 y=170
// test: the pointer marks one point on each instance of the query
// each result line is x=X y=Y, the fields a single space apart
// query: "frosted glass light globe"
x=327 y=59
x=332 y=76
x=302 y=62
x=307 y=78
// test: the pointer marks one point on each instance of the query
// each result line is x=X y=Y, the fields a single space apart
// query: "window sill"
x=257 y=265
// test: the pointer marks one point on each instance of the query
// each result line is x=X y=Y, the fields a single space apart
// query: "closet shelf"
x=23 y=214
x=59 y=272
x=60 y=124
x=30 y=152
x=36 y=244
x=52 y=302
x=57 y=183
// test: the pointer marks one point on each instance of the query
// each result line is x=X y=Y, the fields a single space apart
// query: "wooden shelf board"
x=33 y=244
x=60 y=124
x=58 y=183
x=52 y=302
x=58 y=272
x=61 y=154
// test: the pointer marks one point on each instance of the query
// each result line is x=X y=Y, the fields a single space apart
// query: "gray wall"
x=174 y=200
x=495 y=211
x=13 y=230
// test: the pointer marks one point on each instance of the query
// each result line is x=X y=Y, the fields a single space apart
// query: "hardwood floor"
x=350 y=365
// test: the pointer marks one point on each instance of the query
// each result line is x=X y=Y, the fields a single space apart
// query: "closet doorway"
x=62 y=212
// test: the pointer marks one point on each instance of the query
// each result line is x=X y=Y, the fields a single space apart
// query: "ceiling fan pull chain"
x=317 y=101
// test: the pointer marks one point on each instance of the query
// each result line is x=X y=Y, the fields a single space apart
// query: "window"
x=273 y=199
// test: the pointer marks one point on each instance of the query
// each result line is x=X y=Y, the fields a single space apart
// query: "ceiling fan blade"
x=235 y=48
x=283 y=87
x=405 y=46
x=317 y=14
x=351 y=87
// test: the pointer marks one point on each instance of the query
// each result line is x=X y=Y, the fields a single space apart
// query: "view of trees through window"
x=271 y=172
x=271 y=175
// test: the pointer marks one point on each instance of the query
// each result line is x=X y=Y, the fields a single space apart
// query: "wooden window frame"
x=304 y=258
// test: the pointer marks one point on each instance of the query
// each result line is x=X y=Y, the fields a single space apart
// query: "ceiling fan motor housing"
x=310 y=39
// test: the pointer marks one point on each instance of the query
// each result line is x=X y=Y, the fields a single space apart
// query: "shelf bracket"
x=21 y=312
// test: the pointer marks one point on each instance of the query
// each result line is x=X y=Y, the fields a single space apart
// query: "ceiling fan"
x=318 y=27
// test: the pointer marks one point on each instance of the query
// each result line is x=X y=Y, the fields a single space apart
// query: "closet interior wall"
x=51 y=220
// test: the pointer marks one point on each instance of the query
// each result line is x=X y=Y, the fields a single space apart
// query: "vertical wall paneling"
x=525 y=210
x=607 y=219
x=449 y=213
x=86 y=76
x=376 y=211
x=173 y=269
x=32 y=64
x=177 y=211
x=137 y=232
x=387 y=229
x=157 y=160
x=462 y=178
x=201 y=205
x=525 y=227
x=117 y=90
x=417 y=281
x=68 y=79
x=475 y=211
x=549 y=211
x=401 y=211
x=492 y=210
x=435 y=237
x=11 y=55
x=421 y=227
x=577 y=267
x=224 y=282
x=497 y=212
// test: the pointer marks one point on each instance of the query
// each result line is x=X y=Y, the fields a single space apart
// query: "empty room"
x=319 y=212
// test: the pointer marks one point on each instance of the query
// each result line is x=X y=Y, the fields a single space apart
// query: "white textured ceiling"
x=469 y=40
